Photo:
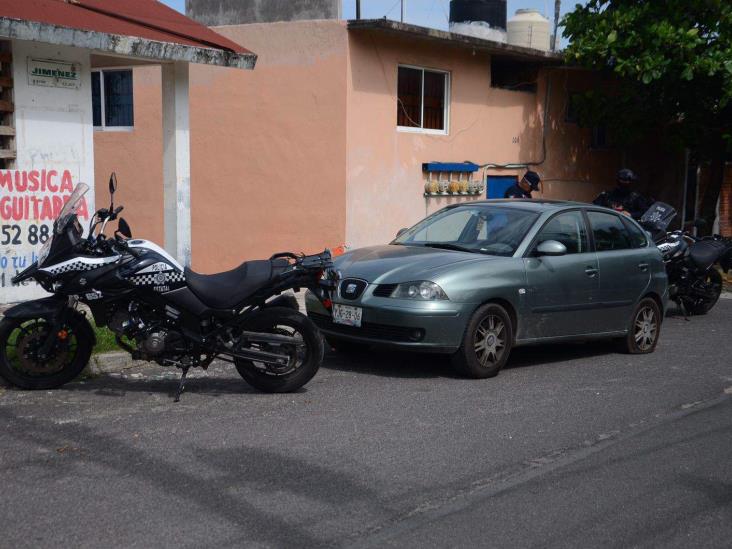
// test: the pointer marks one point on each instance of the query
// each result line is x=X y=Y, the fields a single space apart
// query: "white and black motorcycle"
x=158 y=310
x=695 y=282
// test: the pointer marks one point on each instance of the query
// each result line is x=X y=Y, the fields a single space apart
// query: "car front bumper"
x=436 y=326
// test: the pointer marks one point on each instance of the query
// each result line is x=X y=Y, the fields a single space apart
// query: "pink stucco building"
x=323 y=143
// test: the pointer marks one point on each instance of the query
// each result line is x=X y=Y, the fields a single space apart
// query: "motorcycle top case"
x=658 y=216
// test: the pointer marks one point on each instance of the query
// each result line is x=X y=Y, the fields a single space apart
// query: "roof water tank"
x=492 y=12
x=530 y=29
x=481 y=18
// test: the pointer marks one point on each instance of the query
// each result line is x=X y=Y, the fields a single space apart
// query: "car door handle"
x=591 y=271
x=643 y=266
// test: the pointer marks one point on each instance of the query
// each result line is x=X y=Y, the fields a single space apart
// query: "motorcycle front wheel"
x=713 y=282
x=21 y=341
x=305 y=356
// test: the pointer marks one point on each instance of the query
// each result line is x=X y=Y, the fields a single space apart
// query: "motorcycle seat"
x=228 y=289
x=706 y=252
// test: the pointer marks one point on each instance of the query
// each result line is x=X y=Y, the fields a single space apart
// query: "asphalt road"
x=570 y=446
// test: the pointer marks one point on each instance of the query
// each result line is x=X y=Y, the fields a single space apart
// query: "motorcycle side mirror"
x=700 y=223
x=112 y=183
x=123 y=228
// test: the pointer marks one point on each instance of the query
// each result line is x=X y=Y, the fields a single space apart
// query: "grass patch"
x=105 y=341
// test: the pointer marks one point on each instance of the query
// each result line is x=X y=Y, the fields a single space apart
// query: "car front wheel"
x=486 y=344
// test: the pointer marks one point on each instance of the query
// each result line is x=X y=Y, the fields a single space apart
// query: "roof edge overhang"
x=121 y=45
x=518 y=53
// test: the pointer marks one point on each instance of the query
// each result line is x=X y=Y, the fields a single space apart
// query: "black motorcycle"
x=158 y=310
x=695 y=282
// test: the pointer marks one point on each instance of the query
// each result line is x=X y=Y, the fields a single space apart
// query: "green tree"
x=672 y=66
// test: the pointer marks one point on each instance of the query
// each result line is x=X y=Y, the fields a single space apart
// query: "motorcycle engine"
x=145 y=329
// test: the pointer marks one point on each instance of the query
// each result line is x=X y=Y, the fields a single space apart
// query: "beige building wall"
x=268 y=148
x=137 y=158
x=304 y=152
x=487 y=125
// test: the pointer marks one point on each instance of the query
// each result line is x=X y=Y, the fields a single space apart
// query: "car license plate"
x=345 y=314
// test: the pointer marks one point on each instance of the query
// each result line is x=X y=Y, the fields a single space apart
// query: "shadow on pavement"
x=400 y=364
x=221 y=484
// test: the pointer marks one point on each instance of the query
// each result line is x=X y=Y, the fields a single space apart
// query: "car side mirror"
x=123 y=228
x=551 y=247
x=401 y=231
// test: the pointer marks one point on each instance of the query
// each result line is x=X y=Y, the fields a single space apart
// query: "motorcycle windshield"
x=71 y=207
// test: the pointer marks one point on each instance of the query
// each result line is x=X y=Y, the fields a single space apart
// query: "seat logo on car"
x=351 y=288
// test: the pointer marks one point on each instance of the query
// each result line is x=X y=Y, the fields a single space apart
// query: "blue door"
x=497 y=185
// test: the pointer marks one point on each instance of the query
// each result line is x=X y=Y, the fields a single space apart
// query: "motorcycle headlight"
x=422 y=290
x=45 y=250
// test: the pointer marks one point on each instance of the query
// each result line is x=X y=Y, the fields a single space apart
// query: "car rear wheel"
x=486 y=344
x=645 y=328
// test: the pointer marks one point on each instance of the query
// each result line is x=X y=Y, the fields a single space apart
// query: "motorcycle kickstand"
x=684 y=312
x=182 y=384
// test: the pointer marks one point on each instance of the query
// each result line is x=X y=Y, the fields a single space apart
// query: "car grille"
x=385 y=332
x=352 y=288
x=385 y=290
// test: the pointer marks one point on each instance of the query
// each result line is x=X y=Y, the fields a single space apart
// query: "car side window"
x=638 y=238
x=609 y=232
x=569 y=229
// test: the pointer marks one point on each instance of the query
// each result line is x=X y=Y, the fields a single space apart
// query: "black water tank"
x=492 y=12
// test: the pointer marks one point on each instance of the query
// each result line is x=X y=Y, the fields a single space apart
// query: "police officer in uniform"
x=623 y=198
x=523 y=189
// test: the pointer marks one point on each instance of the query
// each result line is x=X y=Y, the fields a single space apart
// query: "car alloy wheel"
x=646 y=328
x=486 y=343
x=490 y=340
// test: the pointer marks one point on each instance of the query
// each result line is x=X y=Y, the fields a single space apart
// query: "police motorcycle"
x=158 y=310
x=695 y=282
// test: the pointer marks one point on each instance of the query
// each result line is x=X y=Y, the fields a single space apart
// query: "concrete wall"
x=487 y=125
x=137 y=158
x=54 y=144
x=267 y=148
x=239 y=12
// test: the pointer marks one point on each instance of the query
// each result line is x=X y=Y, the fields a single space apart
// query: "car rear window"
x=609 y=232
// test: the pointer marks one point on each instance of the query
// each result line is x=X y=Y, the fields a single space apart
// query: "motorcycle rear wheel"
x=20 y=339
x=305 y=360
x=714 y=282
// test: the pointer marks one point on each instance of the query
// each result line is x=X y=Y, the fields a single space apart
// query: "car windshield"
x=479 y=228
x=70 y=207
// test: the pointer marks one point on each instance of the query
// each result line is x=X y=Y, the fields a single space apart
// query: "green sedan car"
x=474 y=280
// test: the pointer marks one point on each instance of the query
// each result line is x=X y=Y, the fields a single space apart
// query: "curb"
x=108 y=363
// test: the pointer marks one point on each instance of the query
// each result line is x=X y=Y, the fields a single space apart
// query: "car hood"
x=393 y=263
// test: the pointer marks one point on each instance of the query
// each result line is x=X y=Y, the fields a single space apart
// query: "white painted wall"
x=54 y=132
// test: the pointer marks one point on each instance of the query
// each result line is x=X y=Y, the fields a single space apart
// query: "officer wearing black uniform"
x=523 y=189
x=624 y=199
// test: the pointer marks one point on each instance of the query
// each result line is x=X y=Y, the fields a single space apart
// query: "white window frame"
x=104 y=127
x=446 y=113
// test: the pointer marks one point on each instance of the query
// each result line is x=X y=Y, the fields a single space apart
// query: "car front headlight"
x=422 y=290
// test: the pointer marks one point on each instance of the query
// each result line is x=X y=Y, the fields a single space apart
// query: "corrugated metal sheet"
x=140 y=18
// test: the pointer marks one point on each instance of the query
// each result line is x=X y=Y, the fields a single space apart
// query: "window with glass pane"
x=569 y=229
x=96 y=99
x=638 y=237
x=609 y=232
x=112 y=99
x=422 y=99
x=118 y=109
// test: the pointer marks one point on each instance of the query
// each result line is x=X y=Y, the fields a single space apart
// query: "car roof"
x=529 y=204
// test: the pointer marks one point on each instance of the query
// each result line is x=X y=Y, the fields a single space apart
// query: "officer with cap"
x=623 y=198
x=523 y=189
